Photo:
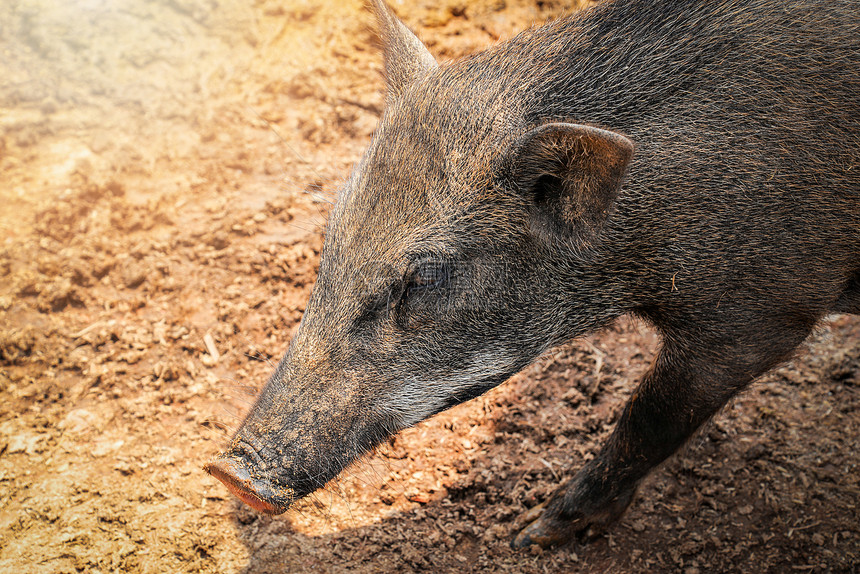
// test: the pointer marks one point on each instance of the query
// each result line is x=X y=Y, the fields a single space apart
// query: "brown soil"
x=166 y=165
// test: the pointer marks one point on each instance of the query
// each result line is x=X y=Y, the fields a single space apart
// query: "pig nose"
x=256 y=492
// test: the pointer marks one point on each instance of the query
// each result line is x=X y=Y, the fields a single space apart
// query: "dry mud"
x=165 y=166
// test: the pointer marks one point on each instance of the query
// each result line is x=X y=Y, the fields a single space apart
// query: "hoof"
x=543 y=531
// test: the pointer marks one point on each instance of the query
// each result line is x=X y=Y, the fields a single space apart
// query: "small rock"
x=106 y=447
x=78 y=421
x=29 y=443
x=818 y=539
x=133 y=275
x=420 y=498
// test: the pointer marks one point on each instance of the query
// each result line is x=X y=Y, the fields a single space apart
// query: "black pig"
x=693 y=163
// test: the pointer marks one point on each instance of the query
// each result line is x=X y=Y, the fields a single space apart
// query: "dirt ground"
x=165 y=166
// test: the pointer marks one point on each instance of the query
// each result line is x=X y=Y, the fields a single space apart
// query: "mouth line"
x=256 y=493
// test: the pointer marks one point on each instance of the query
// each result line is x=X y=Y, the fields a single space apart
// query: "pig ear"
x=406 y=58
x=571 y=175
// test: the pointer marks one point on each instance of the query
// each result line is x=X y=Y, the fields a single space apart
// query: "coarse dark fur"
x=694 y=163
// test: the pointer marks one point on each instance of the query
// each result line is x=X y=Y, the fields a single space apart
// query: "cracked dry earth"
x=165 y=168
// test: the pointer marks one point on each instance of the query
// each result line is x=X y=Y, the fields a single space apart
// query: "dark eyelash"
x=383 y=300
x=426 y=275
x=431 y=274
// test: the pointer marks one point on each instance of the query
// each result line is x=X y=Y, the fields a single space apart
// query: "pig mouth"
x=256 y=492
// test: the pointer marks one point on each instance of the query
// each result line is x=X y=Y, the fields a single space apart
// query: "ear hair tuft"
x=406 y=57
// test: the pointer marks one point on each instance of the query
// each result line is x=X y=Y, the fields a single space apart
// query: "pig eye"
x=428 y=274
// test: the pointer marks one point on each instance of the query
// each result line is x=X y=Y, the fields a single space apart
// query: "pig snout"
x=300 y=434
x=244 y=481
x=261 y=467
x=266 y=480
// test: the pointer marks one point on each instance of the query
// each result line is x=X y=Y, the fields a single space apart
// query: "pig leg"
x=680 y=392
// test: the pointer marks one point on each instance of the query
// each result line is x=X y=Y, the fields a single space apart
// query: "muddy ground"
x=165 y=166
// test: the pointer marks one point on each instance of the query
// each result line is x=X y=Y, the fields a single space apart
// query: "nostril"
x=254 y=492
